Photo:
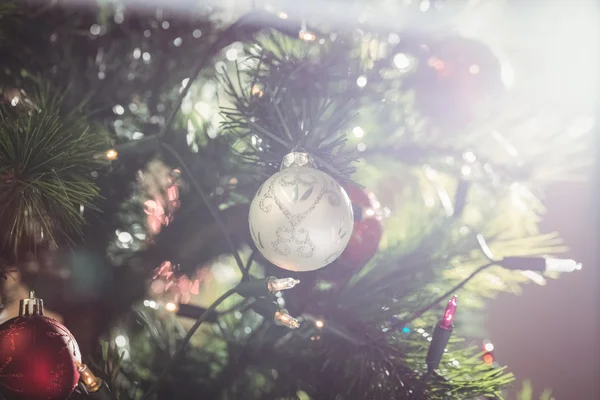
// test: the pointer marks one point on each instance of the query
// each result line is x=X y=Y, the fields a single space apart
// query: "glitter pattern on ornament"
x=38 y=356
x=300 y=219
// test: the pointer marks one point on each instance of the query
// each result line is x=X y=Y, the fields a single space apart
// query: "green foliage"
x=286 y=95
x=47 y=156
x=526 y=392
x=293 y=98
x=8 y=10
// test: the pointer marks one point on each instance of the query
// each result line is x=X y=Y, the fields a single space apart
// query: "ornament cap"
x=298 y=159
x=31 y=306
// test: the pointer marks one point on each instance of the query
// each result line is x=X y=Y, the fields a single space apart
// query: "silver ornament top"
x=297 y=159
x=31 y=306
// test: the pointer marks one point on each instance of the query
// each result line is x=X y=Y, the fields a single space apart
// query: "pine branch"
x=289 y=103
x=47 y=156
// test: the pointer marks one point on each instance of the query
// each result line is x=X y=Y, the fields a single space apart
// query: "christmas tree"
x=268 y=202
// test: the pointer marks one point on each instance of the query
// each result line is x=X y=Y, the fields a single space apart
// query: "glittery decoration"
x=15 y=331
x=38 y=359
x=64 y=333
x=303 y=187
x=4 y=375
x=300 y=218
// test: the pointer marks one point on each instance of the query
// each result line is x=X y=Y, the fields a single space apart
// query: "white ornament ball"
x=301 y=219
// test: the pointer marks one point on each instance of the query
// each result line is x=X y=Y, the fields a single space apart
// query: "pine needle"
x=47 y=157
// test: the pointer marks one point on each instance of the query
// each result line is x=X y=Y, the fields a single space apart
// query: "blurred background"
x=551 y=334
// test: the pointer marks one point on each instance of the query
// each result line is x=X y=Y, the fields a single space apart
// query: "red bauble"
x=367 y=231
x=364 y=243
x=359 y=198
x=38 y=357
x=366 y=235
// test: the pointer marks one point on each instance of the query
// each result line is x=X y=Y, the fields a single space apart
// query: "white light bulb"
x=231 y=54
x=284 y=319
x=561 y=265
x=276 y=285
x=125 y=237
x=118 y=109
x=121 y=341
x=95 y=29
x=307 y=36
x=401 y=61
x=358 y=131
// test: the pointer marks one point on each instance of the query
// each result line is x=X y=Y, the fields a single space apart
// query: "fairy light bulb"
x=91 y=382
x=488 y=359
x=307 y=36
x=447 y=320
x=277 y=285
x=112 y=154
x=441 y=335
x=282 y=318
x=561 y=265
x=256 y=91
x=171 y=307
x=541 y=264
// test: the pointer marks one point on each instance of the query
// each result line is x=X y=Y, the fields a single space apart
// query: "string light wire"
x=209 y=206
x=185 y=342
x=433 y=304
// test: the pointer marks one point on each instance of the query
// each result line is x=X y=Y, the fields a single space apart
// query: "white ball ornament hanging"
x=301 y=219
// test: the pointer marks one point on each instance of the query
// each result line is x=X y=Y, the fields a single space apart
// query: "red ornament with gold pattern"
x=38 y=356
